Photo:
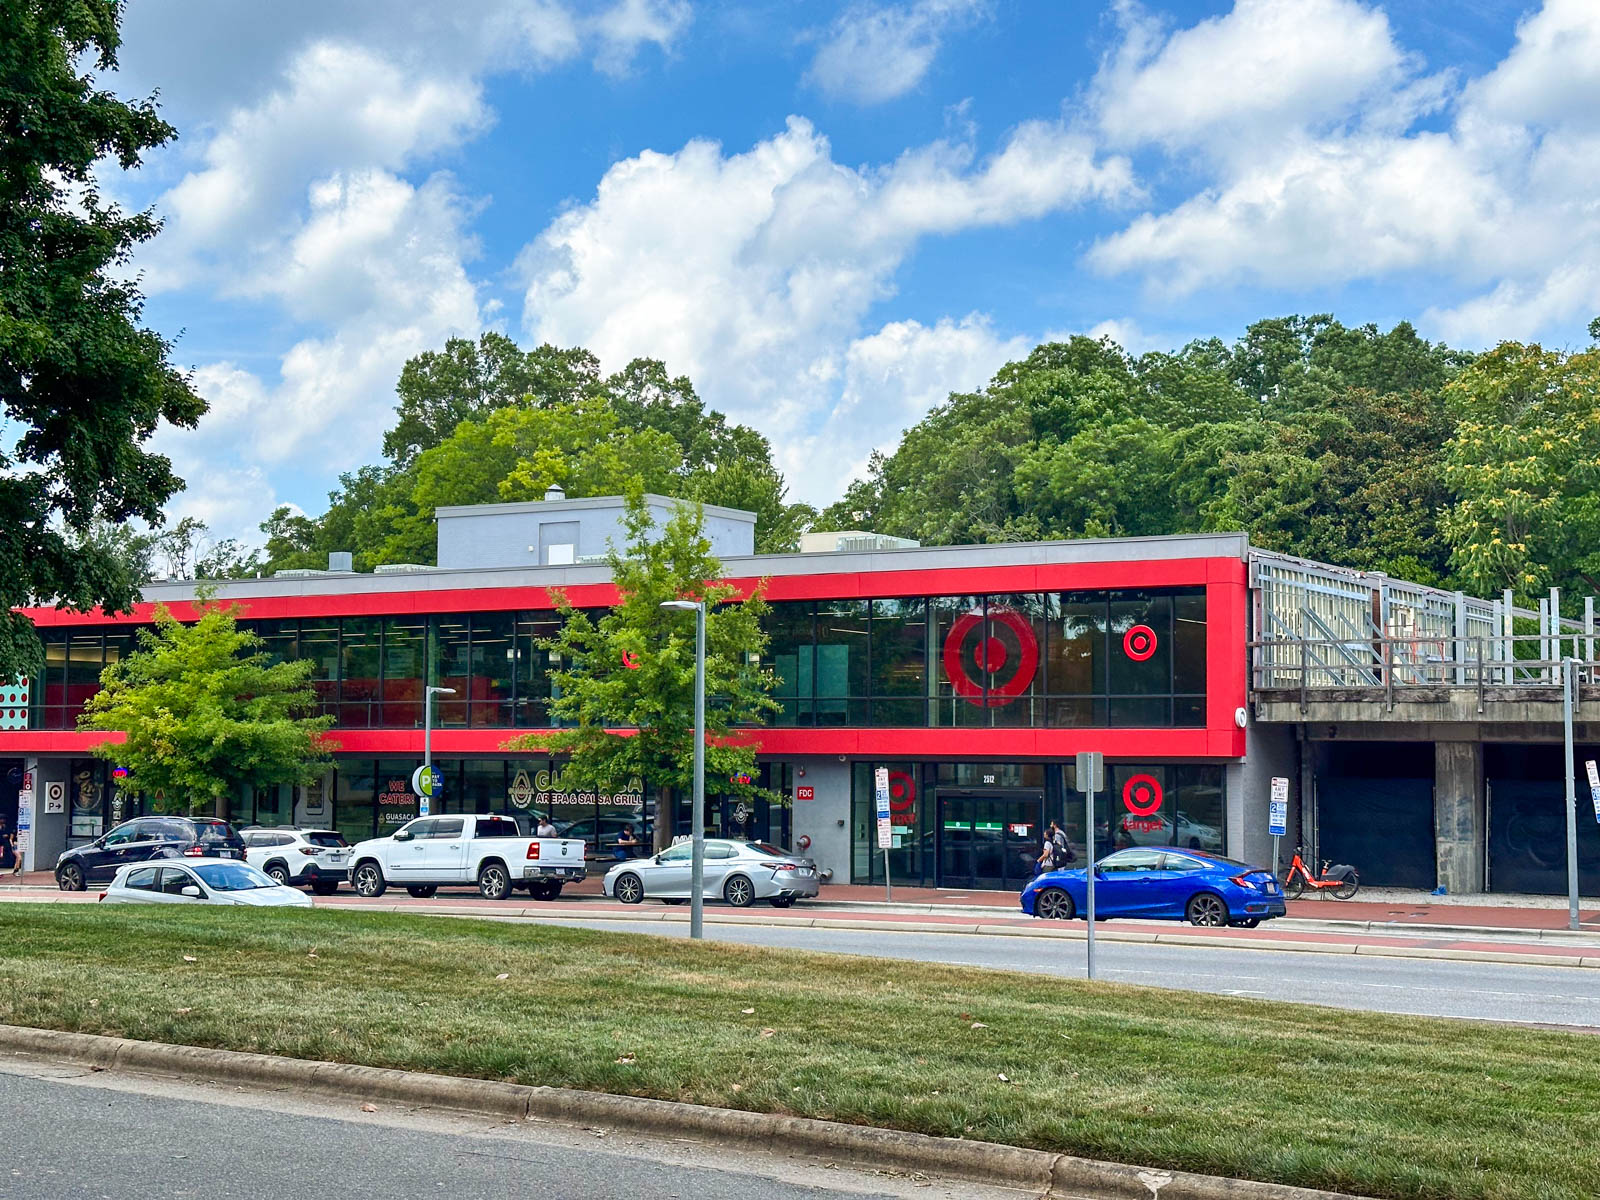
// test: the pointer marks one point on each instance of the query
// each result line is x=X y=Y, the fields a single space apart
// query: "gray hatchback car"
x=739 y=872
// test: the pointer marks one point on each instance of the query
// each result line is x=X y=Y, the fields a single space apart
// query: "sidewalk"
x=1374 y=909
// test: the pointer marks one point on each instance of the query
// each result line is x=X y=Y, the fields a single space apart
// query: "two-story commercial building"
x=973 y=674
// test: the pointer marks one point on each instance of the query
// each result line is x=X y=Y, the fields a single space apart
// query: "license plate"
x=335 y=859
x=805 y=872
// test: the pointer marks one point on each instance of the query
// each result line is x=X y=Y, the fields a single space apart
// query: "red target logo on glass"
x=1006 y=653
x=902 y=796
x=1139 y=643
x=1141 y=795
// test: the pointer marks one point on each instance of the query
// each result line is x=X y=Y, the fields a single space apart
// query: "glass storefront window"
x=899 y=662
x=280 y=640
x=790 y=657
x=842 y=662
x=533 y=669
x=1016 y=632
x=493 y=665
x=483 y=786
x=359 y=670
x=1152 y=804
x=452 y=668
x=962 y=653
x=396 y=802
x=405 y=657
x=319 y=641
x=911 y=821
x=354 y=808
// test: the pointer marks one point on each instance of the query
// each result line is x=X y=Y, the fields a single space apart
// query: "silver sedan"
x=200 y=881
x=739 y=872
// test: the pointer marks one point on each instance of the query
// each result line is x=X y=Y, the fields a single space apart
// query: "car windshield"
x=767 y=848
x=326 y=838
x=231 y=877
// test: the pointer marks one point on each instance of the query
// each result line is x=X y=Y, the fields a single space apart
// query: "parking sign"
x=1278 y=814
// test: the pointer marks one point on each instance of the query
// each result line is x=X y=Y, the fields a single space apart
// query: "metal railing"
x=1421 y=667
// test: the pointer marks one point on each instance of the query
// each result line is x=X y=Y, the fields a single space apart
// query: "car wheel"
x=278 y=873
x=1247 y=923
x=493 y=882
x=324 y=888
x=629 y=888
x=1207 y=908
x=739 y=892
x=422 y=890
x=70 y=878
x=1053 y=904
x=782 y=902
x=369 y=881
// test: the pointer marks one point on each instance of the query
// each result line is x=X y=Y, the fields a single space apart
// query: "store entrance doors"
x=989 y=839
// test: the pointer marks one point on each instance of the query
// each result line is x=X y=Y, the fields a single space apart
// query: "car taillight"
x=196 y=852
x=102 y=895
x=1243 y=881
x=781 y=866
x=310 y=851
x=533 y=850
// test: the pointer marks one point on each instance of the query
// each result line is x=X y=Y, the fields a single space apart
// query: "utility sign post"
x=1594 y=786
x=425 y=783
x=1091 y=765
x=880 y=780
x=1278 y=816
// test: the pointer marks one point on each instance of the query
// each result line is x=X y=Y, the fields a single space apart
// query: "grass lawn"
x=1388 y=1106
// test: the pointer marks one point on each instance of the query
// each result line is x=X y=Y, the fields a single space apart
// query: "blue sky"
x=829 y=215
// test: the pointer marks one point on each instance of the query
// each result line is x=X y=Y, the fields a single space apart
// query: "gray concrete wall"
x=1459 y=817
x=1269 y=750
x=518 y=535
x=825 y=820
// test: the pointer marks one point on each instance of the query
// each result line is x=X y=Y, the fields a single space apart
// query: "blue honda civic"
x=1161 y=883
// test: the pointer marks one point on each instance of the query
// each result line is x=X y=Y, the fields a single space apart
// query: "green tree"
x=1524 y=465
x=82 y=383
x=207 y=713
x=627 y=722
x=468 y=380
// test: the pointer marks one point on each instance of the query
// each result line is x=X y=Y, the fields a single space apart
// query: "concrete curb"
x=862 y=1145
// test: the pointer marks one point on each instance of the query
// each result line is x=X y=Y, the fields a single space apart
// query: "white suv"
x=295 y=856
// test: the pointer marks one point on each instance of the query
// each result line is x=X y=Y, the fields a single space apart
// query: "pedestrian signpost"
x=25 y=822
x=1278 y=816
x=425 y=781
x=1091 y=771
x=1594 y=786
x=880 y=779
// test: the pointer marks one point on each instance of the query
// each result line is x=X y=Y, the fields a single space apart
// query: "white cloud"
x=1266 y=68
x=875 y=53
x=753 y=273
x=891 y=379
x=1346 y=184
x=631 y=24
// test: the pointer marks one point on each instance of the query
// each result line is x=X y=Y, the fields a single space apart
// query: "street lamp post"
x=427 y=726
x=697 y=811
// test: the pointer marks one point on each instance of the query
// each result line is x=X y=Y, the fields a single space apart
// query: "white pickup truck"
x=433 y=852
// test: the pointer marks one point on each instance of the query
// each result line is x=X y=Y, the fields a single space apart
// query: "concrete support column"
x=1459 y=821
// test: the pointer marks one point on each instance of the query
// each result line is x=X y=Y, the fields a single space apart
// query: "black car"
x=142 y=839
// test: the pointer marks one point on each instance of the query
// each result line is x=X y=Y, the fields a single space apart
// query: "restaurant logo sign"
x=550 y=787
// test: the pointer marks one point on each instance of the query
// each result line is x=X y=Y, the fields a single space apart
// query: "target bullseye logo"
x=1009 y=644
x=902 y=794
x=1141 y=795
x=1139 y=643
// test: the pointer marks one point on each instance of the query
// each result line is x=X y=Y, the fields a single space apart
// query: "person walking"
x=8 y=849
x=546 y=828
x=1047 y=855
x=1064 y=854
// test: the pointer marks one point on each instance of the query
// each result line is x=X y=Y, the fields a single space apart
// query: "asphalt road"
x=71 y=1134
x=1421 y=987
